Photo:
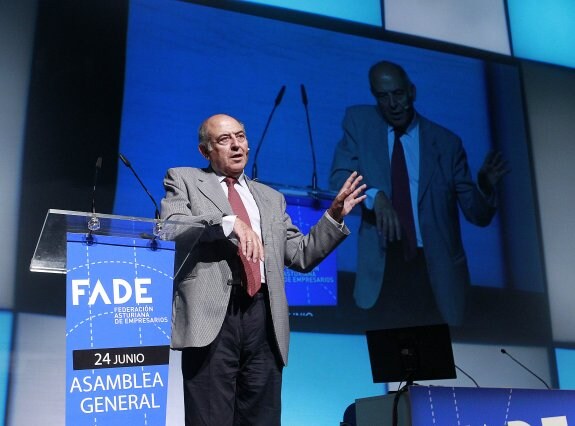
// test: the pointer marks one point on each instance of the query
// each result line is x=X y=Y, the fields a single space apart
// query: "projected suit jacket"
x=444 y=183
x=202 y=288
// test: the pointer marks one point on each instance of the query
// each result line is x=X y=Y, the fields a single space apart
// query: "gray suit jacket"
x=202 y=288
x=444 y=183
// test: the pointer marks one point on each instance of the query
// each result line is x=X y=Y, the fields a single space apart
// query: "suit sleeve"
x=178 y=205
x=305 y=252
x=475 y=207
x=346 y=155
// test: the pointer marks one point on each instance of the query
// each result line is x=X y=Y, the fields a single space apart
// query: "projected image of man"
x=411 y=264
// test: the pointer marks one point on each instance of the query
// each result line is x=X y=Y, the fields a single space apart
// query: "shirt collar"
x=241 y=178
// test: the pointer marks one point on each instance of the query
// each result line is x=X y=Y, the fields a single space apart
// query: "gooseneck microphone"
x=305 y=102
x=129 y=166
x=94 y=222
x=276 y=104
x=468 y=376
x=96 y=173
x=503 y=351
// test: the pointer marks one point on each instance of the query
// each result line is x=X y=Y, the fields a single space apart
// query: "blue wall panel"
x=6 y=319
x=543 y=31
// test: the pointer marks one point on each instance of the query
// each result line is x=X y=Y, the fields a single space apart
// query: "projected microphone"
x=276 y=104
x=503 y=351
x=94 y=222
x=129 y=166
x=314 y=175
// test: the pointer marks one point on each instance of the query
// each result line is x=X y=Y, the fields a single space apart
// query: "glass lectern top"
x=50 y=253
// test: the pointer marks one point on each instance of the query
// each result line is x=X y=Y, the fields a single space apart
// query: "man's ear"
x=203 y=150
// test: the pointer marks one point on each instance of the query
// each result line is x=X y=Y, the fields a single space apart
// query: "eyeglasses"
x=227 y=138
x=397 y=96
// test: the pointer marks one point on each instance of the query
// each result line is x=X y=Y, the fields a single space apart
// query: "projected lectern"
x=119 y=288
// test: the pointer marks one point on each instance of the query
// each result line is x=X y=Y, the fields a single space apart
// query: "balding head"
x=223 y=141
x=386 y=68
x=394 y=93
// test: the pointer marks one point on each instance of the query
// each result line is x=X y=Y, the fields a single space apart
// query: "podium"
x=438 y=405
x=119 y=285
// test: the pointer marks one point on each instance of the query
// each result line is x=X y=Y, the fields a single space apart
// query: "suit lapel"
x=209 y=185
x=378 y=165
x=428 y=156
x=262 y=201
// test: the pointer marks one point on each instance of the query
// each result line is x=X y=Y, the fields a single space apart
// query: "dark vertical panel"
x=74 y=114
x=523 y=251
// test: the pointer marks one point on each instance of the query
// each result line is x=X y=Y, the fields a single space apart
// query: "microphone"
x=468 y=376
x=129 y=166
x=314 y=174
x=96 y=172
x=94 y=222
x=503 y=351
x=276 y=104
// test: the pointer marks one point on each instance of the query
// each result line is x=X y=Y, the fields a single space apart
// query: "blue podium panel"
x=318 y=287
x=490 y=406
x=118 y=318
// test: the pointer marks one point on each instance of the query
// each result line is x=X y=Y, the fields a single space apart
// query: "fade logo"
x=545 y=421
x=122 y=292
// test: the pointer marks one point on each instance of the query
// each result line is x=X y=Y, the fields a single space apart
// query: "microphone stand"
x=276 y=104
x=94 y=222
x=314 y=188
x=503 y=351
x=158 y=226
x=305 y=103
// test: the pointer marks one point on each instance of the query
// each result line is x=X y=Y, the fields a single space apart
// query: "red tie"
x=251 y=269
x=401 y=197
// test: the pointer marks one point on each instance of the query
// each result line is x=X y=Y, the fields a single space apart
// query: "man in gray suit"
x=234 y=345
x=411 y=267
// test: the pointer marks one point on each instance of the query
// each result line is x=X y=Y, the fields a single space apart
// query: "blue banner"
x=491 y=407
x=118 y=319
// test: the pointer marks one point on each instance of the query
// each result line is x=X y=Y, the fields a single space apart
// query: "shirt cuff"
x=370 y=197
x=340 y=226
x=228 y=223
